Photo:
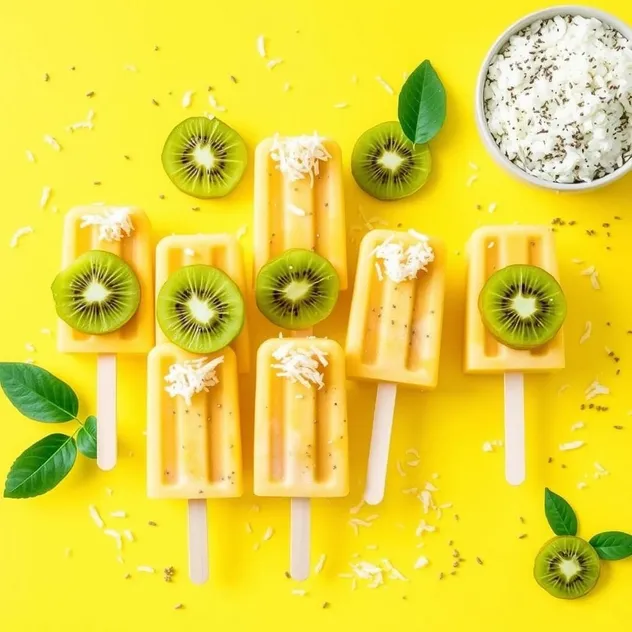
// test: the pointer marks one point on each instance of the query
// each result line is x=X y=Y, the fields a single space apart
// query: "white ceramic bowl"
x=481 y=120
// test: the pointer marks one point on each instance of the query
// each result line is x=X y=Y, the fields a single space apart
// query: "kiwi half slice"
x=97 y=293
x=522 y=306
x=387 y=165
x=204 y=158
x=297 y=290
x=567 y=567
x=200 y=309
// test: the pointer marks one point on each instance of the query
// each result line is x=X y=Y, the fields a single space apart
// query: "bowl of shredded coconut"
x=554 y=99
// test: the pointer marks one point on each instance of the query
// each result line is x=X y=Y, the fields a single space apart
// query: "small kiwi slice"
x=97 y=293
x=387 y=165
x=204 y=158
x=522 y=306
x=200 y=309
x=567 y=567
x=297 y=290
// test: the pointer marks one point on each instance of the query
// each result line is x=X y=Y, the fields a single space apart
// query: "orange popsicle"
x=299 y=200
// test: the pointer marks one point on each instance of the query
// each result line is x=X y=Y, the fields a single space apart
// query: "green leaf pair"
x=610 y=545
x=40 y=396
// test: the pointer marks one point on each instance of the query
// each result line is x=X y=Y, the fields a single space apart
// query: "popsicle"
x=193 y=436
x=299 y=200
x=221 y=251
x=126 y=232
x=301 y=435
x=490 y=249
x=394 y=334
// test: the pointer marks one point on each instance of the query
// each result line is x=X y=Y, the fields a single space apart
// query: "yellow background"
x=323 y=44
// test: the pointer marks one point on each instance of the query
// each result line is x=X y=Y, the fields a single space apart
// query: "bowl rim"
x=481 y=119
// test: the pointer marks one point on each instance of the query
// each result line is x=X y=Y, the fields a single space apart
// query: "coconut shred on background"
x=558 y=99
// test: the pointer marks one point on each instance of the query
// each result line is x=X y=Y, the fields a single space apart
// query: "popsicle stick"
x=514 y=429
x=300 y=519
x=106 y=411
x=380 y=443
x=198 y=541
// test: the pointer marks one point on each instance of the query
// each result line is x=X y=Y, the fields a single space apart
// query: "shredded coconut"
x=118 y=514
x=400 y=469
x=471 y=180
x=145 y=569
x=268 y=534
x=299 y=364
x=18 y=234
x=261 y=46
x=587 y=333
x=128 y=535
x=320 y=564
x=96 y=517
x=191 y=377
x=424 y=528
x=488 y=447
x=241 y=232
x=341 y=106
x=578 y=425
x=87 y=124
x=46 y=191
x=571 y=445
x=403 y=265
x=596 y=389
x=30 y=156
x=299 y=156
x=421 y=562
x=273 y=63
x=558 y=99
x=385 y=85
x=114 y=223
x=187 y=98
x=50 y=140
x=116 y=535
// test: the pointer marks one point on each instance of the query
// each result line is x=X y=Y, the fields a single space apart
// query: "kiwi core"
x=96 y=292
x=297 y=290
x=569 y=569
x=200 y=310
x=203 y=156
x=390 y=160
x=524 y=306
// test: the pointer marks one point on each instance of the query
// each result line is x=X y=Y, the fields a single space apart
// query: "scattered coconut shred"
x=18 y=234
x=299 y=156
x=192 y=376
x=301 y=365
x=114 y=223
x=403 y=265
x=558 y=99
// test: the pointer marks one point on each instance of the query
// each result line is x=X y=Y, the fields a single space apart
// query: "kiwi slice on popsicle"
x=97 y=294
x=522 y=306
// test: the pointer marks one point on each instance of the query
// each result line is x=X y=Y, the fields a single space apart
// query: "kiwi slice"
x=297 y=290
x=387 y=165
x=567 y=567
x=522 y=306
x=200 y=309
x=204 y=158
x=97 y=293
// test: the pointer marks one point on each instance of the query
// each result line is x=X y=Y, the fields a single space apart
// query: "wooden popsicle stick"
x=300 y=527
x=198 y=541
x=106 y=411
x=514 y=429
x=380 y=443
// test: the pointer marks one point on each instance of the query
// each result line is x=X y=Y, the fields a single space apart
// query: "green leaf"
x=38 y=394
x=422 y=104
x=41 y=467
x=612 y=545
x=560 y=514
x=87 y=438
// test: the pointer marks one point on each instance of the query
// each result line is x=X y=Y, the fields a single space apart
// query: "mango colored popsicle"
x=490 y=249
x=394 y=334
x=301 y=430
x=221 y=251
x=193 y=436
x=299 y=200
x=126 y=232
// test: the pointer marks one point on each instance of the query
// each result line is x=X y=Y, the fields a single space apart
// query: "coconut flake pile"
x=299 y=156
x=403 y=265
x=114 y=223
x=191 y=377
x=300 y=365
x=558 y=99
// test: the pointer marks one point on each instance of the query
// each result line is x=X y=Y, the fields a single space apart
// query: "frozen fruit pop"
x=193 y=436
x=299 y=200
x=394 y=334
x=221 y=251
x=126 y=232
x=301 y=436
x=494 y=252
